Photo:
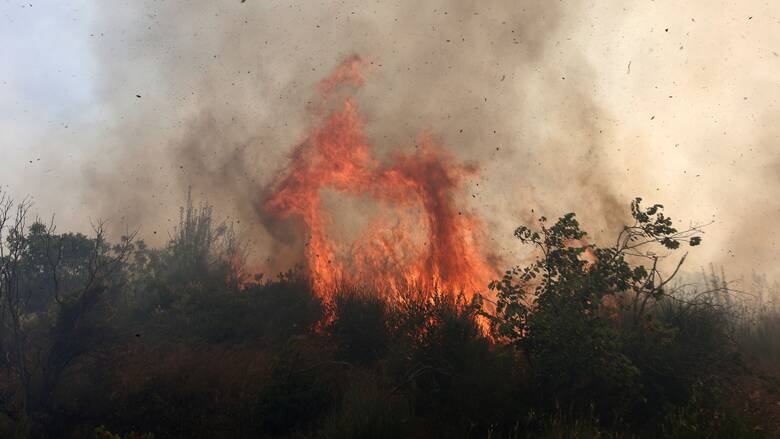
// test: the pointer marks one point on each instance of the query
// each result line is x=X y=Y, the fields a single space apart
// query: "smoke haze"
x=562 y=106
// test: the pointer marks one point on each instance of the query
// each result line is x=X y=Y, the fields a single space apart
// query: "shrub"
x=359 y=325
x=368 y=409
x=559 y=310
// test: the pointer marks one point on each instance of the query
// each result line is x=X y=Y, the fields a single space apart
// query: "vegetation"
x=103 y=340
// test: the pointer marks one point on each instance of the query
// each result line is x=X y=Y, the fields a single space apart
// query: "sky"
x=46 y=92
x=112 y=109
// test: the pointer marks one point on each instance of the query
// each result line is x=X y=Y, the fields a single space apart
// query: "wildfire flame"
x=421 y=237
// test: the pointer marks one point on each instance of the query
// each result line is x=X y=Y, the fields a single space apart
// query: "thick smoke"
x=215 y=95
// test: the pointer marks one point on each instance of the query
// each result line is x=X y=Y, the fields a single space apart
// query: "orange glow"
x=588 y=255
x=419 y=237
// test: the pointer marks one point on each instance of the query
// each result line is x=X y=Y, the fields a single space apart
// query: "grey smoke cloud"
x=564 y=106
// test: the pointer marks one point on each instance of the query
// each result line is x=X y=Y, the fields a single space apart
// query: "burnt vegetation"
x=120 y=340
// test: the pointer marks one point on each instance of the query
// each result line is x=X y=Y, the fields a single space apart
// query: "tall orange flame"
x=425 y=240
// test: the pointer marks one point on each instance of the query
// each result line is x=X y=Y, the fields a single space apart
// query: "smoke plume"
x=559 y=106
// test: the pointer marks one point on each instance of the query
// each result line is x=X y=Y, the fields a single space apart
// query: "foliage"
x=360 y=325
x=368 y=410
x=560 y=310
x=102 y=433
x=176 y=341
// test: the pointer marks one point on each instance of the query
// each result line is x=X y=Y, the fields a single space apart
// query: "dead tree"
x=38 y=349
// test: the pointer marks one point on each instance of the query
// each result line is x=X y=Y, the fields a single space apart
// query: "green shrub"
x=454 y=375
x=560 y=311
x=368 y=409
x=360 y=326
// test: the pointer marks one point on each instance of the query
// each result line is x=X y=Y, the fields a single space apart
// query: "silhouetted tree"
x=556 y=310
x=50 y=289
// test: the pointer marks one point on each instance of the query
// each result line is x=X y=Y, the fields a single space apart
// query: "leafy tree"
x=51 y=291
x=557 y=309
x=202 y=257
